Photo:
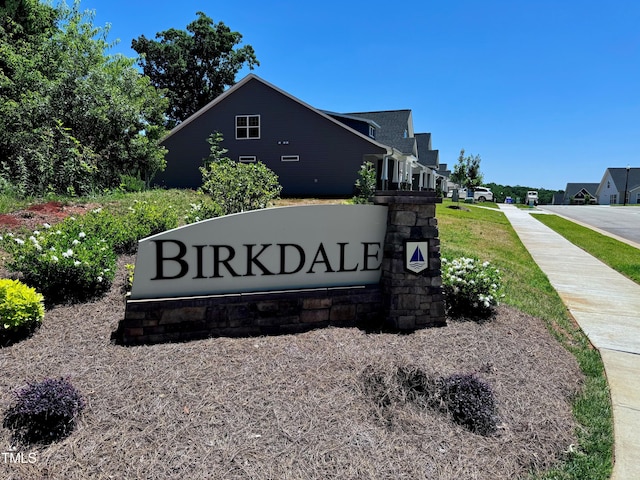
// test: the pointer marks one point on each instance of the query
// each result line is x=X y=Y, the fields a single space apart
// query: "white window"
x=247 y=126
x=290 y=158
x=247 y=158
x=613 y=199
x=372 y=131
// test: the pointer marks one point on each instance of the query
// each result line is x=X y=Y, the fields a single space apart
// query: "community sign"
x=273 y=249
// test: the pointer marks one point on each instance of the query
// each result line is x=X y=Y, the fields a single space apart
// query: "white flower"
x=33 y=239
x=46 y=225
x=54 y=258
x=19 y=241
x=76 y=263
x=99 y=279
x=36 y=232
x=68 y=253
x=82 y=234
x=75 y=241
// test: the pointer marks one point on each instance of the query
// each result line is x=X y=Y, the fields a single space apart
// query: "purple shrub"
x=470 y=402
x=44 y=412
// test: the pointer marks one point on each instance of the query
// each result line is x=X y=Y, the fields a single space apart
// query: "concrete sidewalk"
x=606 y=305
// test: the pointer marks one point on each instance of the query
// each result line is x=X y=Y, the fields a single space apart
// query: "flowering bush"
x=470 y=288
x=21 y=307
x=62 y=263
x=44 y=412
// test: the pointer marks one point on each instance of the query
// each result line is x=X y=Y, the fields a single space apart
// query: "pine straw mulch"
x=291 y=406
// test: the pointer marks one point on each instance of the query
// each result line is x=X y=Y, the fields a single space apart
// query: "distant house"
x=611 y=189
x=578 y=194
x=313 y=152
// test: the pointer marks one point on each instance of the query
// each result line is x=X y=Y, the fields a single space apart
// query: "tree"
x=72 y=118
x=466 y=172
x=193 y=66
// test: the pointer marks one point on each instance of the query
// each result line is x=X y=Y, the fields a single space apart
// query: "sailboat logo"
x=415 y=256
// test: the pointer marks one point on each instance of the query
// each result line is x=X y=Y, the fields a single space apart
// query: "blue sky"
x=546 y=92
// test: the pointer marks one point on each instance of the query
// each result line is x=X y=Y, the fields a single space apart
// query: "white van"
x=531 y=197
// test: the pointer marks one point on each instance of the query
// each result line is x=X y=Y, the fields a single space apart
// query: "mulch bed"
x=291 y=406
x=34 y=216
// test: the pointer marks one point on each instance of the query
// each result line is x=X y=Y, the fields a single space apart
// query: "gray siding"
x=330 y=154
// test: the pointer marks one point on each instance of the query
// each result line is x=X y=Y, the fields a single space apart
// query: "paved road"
x=620 y=221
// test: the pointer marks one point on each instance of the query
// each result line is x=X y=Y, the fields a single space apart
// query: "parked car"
x=480 y=194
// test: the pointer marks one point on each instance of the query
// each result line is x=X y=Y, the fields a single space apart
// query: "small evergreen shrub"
x=21 y=309
x=44 y=412
x=470 y=402
x=470 y=288
x=365 y=184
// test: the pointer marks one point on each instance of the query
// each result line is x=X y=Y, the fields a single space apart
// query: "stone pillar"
x=411 y=279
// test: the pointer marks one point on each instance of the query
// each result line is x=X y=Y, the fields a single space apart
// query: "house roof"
x=426 y=155
x=253 y=77
x=619 y=177
x=394 y=130
x=574 y=188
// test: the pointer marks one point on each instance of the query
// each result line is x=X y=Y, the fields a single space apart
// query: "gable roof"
x=393 y=125
x=426 y=155
x=253 y=77
x=619 y=177
x=574 y=188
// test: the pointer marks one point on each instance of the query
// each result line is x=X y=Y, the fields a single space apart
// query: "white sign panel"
x=416 y=256
x=264 y=250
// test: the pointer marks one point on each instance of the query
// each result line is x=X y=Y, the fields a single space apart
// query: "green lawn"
x=487 y=234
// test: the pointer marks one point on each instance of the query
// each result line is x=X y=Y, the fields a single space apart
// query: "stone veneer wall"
x=174 y=320
x=411 y=301
x=401 y=301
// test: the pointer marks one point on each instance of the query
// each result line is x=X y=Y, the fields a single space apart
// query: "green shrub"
x=365 y=184
x=129 y=183
x=21 y=307
x=235 y=186
x=470 y=288
x=203 y=210
x=44 y=412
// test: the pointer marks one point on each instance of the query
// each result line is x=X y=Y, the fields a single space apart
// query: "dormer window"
x=247 y=126
x=372 y=131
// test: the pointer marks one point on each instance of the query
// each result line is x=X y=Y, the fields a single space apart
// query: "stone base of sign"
x=411 y=301
x=273 y=313
x=402 y=301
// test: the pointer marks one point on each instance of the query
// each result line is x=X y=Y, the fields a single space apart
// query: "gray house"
x=578 y=194
x=313 y=152
x=611 y=189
